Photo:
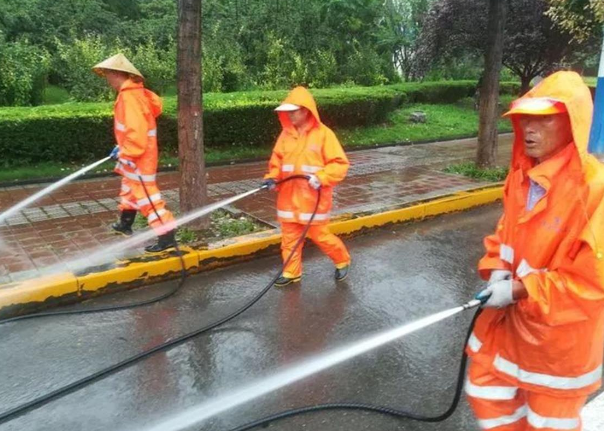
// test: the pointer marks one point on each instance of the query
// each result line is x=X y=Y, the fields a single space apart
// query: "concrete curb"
x=35 y=294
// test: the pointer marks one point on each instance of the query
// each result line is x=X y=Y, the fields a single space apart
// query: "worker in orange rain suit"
x=135 y=130
x=537 y=347
x=306 y=147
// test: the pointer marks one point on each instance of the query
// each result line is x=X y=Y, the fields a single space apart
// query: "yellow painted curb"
x=15 y=297
x=456 y=202
x=137 y=272
x=68 y=287
x=44 y=291
x=238 y=248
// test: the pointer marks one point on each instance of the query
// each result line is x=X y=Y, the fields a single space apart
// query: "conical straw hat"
x=118 y=62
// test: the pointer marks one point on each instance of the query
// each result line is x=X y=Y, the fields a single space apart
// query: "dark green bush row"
x=83 y=131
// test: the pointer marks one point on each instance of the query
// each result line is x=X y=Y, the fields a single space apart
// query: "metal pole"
x=596 y=138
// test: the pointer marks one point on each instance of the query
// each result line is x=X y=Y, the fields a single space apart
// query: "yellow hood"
x=299 y=96
x=569 y=88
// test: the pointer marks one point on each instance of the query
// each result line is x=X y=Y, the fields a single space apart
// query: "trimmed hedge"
x=78 y=132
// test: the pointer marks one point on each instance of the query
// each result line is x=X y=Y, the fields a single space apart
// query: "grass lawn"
x=443 y=122
x=469 y=169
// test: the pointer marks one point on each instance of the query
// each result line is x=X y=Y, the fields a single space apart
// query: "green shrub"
x=73 y=63
x=448 y=91
x=365 y=65
x=467 y=66
x=213 y=73
x=278 y=65
x=438 y=92
x=84 y=131
x=158 y=66
x=54 y=95
x=23 y=73
x=61 y=135
x=324 y=69
x=223 y=64
x=510 y=88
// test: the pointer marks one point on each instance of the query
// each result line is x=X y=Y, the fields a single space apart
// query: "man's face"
x=115 y=79
x=299 y=117
x=545 y=135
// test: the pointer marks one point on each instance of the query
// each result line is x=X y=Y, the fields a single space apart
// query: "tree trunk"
x=525 y=84
x=489 y=93
x=193 y=187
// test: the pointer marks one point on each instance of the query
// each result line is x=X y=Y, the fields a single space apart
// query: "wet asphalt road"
x=400 y=273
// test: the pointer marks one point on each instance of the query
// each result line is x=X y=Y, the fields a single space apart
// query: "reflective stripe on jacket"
x=317 y=152
x=551 y=342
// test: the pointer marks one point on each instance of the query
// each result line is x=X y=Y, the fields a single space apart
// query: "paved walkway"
x=76 y=218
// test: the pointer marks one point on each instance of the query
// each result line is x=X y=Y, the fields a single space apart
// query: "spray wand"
x=478 y=300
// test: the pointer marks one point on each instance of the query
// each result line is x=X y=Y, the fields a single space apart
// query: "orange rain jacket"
x=550 y=342
x=317 y=152
x=135 y=128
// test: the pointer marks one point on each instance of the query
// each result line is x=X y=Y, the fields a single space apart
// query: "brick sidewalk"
x=76 y=218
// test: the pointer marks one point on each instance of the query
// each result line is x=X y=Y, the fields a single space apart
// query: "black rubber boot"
x=164 y=242
x=284 y=281
x=342 y=273
x=124 y=226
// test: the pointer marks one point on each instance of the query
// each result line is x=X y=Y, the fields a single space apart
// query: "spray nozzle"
x=483 y=296
x=479 y=299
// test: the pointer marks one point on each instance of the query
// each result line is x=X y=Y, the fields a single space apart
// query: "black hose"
x=382 y=410
x=179 y=285
x=85 y=381
x=103 y=309
x=142 y=303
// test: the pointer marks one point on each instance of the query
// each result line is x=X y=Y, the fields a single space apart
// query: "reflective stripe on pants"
x=133 y=197
x=499 y=406
x=555 y=382
x=329 y=244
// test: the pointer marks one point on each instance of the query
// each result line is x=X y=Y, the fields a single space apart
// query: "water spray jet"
x=213 y=407
x=51 y=188
x=108 y=253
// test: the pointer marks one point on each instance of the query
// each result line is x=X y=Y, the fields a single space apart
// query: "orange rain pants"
x=329 y=244
x=133 y=197
x=500 y=406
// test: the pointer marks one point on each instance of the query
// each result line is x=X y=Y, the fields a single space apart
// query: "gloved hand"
x=115 y=153
x=499 y=274
x=269 y=183
x=500 y=294
x=130 y=164
x=314 y=182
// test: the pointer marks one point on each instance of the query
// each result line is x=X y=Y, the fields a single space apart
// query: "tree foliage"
x=580 y=18
x=533 y=45
x=279 y=43
x=275 y=44
x=248 y=44
x=23 y=72
x=404 y=22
